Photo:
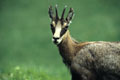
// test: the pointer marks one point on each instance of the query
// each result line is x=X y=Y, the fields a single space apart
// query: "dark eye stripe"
x=52 y=28
x=51 y=25
x=63 y=31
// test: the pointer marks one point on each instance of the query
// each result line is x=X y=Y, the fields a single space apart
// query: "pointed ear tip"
x=56 y=6
x=71 y=9
x=65 y=6
x=50 y=7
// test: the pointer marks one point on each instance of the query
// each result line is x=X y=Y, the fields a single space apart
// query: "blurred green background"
x=26 y=48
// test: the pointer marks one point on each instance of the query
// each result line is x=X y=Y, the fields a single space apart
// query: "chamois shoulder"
x=99 y=45
x=104 y=46
x=98 y=49
x=102 y=54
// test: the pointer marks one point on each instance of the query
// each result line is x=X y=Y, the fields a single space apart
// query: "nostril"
x=55 y=38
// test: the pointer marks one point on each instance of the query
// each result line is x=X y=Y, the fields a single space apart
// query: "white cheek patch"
x=59 y=40
x=57 y=32
x=53 y=23
x=65 y=24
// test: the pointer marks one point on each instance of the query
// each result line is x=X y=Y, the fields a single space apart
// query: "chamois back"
x=100 y=60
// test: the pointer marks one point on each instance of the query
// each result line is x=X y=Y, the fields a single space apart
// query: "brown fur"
x=68 y=48
x=85 y=59
x=98 y=60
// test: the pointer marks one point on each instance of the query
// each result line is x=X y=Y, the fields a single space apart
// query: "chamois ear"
x=51 y=13
x=70 y=15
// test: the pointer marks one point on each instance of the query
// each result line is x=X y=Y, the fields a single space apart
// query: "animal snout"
x=55 y=40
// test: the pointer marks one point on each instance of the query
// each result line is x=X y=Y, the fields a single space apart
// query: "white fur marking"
x=58 y=40
x=53 y=23
x=57 y=32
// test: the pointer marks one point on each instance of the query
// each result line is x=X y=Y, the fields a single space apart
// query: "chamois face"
x=59 y=26
x=58 y=29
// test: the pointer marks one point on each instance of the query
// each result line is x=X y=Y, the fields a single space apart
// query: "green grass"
x=34 y=73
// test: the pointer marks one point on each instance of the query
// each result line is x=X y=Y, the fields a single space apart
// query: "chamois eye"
x=66 y=27
x=52 y=28
x=51 y=25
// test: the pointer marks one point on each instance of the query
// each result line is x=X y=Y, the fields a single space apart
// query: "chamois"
x=97 y=60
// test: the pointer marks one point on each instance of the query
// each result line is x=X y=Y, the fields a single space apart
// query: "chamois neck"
x=67 y=48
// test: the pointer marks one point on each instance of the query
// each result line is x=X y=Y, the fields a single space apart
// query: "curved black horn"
x=57 y=17
x=62 y=17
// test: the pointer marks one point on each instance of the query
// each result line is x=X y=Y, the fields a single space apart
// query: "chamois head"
x=59 y=26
